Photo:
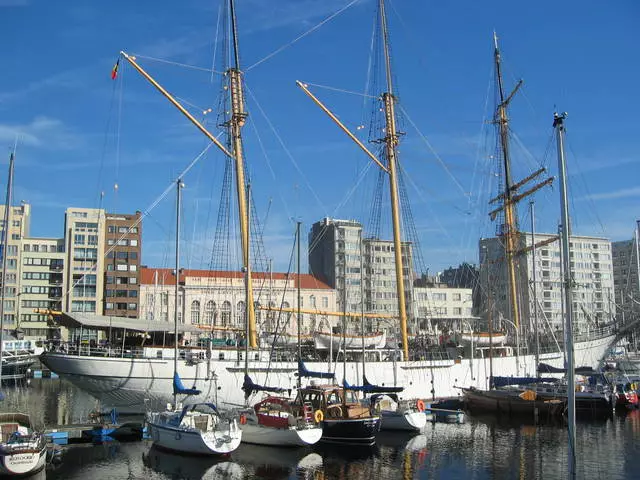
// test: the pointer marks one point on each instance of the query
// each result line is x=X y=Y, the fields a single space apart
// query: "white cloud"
x=41 y=132
x=620 y=193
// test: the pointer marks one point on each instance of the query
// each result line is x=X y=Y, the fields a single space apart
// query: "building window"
x=209 y=311
x=240 y=314
x=195 y=312
x=133 y=243
x=226 y=313
x=78 y=239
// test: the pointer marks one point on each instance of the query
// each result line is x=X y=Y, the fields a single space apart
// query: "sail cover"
x=249 y=387
x=504 y=381
x=180 y=389
x=546 y=368
x=303 y=372
x=367 y=387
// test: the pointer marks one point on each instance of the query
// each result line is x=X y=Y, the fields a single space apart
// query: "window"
x=133 y=243
x=92 y=240
x=111 y=229
x=240 y=317
x=132 y=306
x=133 y=268
x=78 y=239
x=209 y=311
x=26 y=247
x=226 y=313
x=195 y=312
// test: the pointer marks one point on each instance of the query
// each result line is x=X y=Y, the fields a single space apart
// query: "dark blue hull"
x=353 y=431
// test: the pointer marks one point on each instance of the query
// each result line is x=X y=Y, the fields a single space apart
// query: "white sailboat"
x=23 y=450
x=192 y=429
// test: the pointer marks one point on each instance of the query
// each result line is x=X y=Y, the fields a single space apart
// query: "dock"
x=96 y=433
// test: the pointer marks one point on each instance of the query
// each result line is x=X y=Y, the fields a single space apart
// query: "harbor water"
x=480 y=448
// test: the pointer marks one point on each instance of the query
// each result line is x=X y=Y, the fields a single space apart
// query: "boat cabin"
x=275 y=412
x=335 y=402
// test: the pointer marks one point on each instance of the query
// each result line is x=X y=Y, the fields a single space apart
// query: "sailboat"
x=23 y=450
x=127 y=382
x=274 y=421
x=197 y=428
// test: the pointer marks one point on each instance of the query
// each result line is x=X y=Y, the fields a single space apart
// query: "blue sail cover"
x=504 y=381
x=180 y=389
x=303 y=372
x=545 y=368
x=249 y=387
x=367 y=387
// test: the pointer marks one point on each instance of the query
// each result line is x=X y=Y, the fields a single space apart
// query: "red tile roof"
x=166 y=276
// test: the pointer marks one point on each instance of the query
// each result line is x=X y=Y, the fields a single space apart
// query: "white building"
x=440 y=306
x=41 y=283
x=626 y=277
x=592 y=273
x=84 y=234
x=18 y=228
x=217 y=299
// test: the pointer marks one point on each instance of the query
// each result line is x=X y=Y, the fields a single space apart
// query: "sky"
x=81 y=133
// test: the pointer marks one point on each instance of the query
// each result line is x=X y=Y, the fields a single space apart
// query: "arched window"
x=195 y=312
x=312 y=301
x=271 y=317
x=209 y=310
x=240 y=321
x=225 y=313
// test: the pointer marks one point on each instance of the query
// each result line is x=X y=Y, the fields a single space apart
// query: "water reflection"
x=188 y=468
x=482 y=448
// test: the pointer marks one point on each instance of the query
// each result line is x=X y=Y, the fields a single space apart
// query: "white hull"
x=405 y=421
x=126 y=383
x=280 y=437
x=23 y=463
x=191 y=442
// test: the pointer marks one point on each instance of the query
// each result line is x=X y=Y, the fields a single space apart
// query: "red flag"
x=114 y=71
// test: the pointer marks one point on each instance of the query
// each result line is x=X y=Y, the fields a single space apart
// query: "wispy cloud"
x=41 y=132
x=614 y=194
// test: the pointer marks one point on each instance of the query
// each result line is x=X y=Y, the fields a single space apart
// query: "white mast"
x=179 y=187
x=558 y=123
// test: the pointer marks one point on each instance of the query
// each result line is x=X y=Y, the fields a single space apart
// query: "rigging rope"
x=438 y=158
x=178 y=64
x=341 y=90
x=300 y=37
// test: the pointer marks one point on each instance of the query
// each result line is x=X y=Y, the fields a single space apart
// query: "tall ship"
x=132 y=377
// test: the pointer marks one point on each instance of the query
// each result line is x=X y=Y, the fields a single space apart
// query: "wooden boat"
x=325 y=341
x=513 y=402
x=23 y=451
x=273 y=422
x=188 y=430
x=342 y=417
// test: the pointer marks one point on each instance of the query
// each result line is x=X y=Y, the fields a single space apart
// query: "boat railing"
x=101 y=351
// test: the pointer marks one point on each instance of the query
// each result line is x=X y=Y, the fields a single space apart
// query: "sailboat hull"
x=402 y=421
x=280 y=437
x=356 y=431
x=126 y=383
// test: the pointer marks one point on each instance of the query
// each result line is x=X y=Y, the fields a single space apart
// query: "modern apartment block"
x=16 y=230
x=592 y=273
x=41 y=284
x=353 y=265
x=217 y=299
x=438 y=306
x=123 y=243
x=626 y=277
x=84 y=234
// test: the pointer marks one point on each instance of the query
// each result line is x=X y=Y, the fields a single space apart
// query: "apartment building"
x=592 y=273
x=84 y=230
x=626 y=277
x=41 y=285
x=17 y=228
x=439 y=306
x=123 y=243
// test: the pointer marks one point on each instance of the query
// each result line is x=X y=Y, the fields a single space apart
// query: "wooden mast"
x=237 y=121
x=391 y=143
x=510 y=231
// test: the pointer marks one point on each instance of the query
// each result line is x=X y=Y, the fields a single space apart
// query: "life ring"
x=243 y=419
x=318 y=416
x=178 y=435
x=420 y=405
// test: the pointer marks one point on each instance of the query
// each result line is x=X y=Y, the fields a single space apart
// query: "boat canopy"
x=303 y=372
x=367 y=387
x=180 y=389
x=192 y=407
x=103 y=322
x=249 y=387
x=505 y=381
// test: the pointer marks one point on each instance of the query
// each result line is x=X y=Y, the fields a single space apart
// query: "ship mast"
x=510 y=230
x=391 y=168
x=391 y=144
x=235 y=124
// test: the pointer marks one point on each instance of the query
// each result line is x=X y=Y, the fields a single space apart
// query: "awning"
x=102 y=322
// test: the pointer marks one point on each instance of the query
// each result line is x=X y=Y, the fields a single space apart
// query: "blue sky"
x=81 y=133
